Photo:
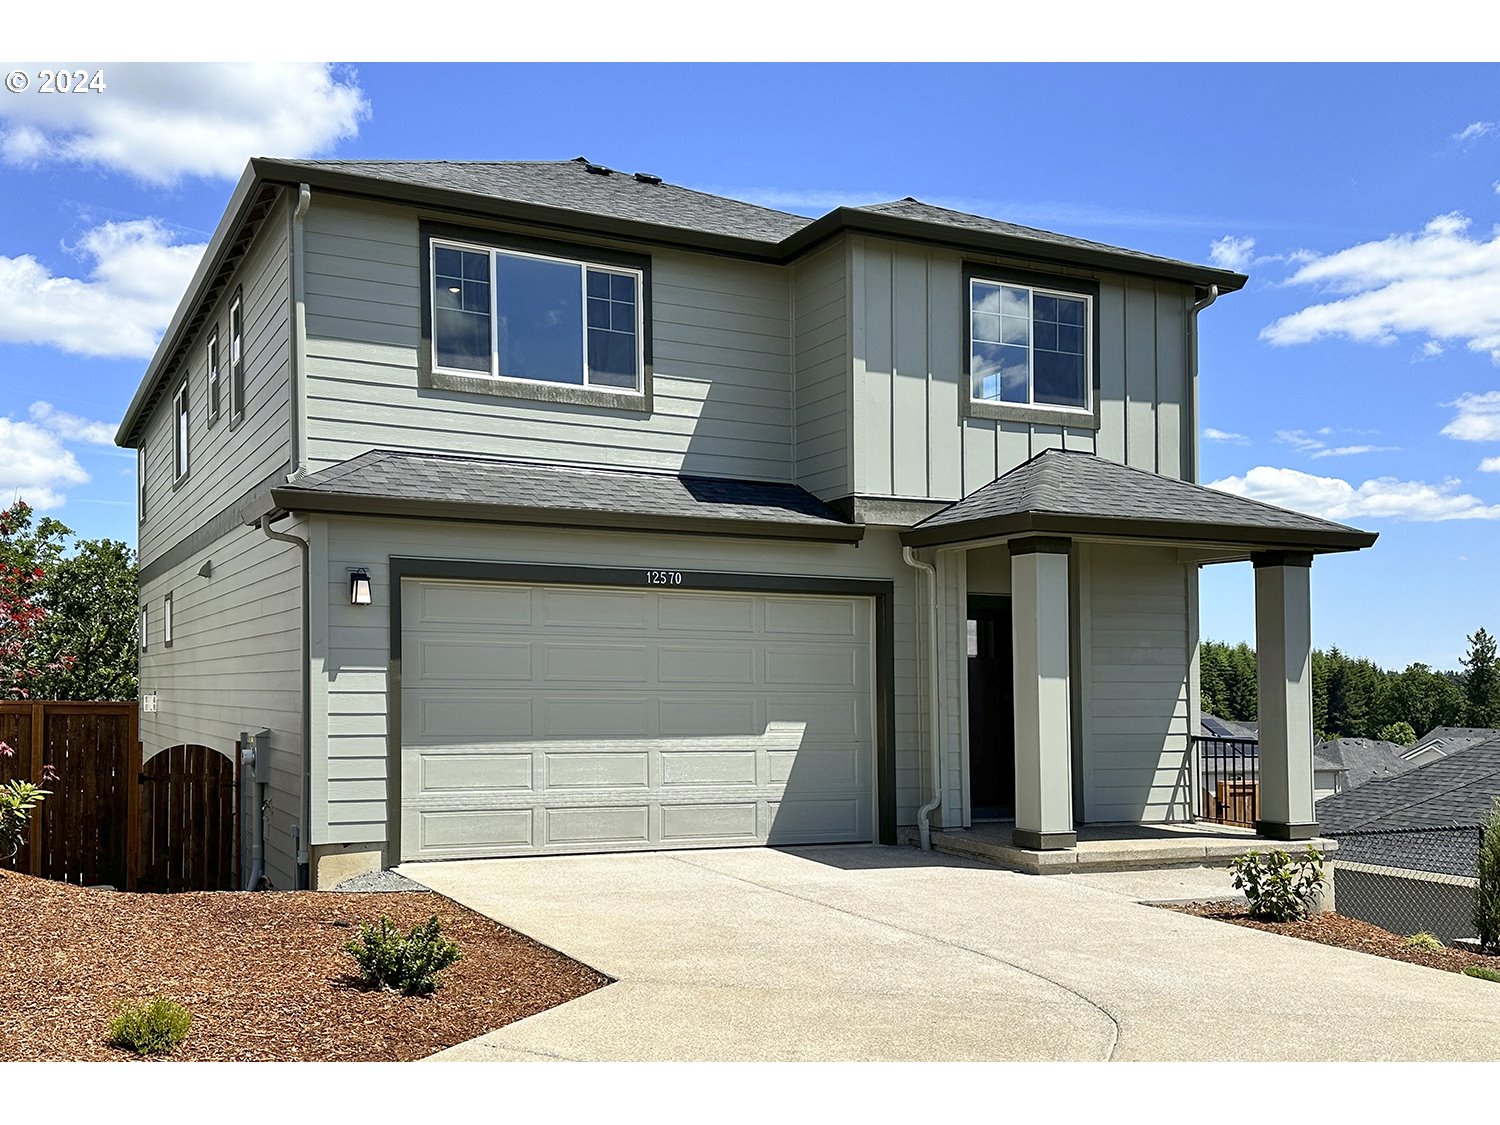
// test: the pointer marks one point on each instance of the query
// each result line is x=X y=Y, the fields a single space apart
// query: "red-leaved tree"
x=20 y=611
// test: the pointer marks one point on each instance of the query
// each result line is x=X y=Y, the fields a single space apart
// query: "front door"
x=992 y=726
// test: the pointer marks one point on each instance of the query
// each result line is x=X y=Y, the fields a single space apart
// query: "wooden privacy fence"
x=82 y=832
x=171 y=825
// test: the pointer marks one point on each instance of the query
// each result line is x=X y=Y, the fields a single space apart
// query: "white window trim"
x=1085 y=411
x=236 y=358
x=182 y=430
x=141 y=467
x=213 y=386
x=145 y=625
x=639 y=391
x=166 y=620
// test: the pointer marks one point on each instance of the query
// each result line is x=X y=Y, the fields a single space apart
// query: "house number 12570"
x=664 y=578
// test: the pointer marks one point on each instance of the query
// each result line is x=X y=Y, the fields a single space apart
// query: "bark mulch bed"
x=1346 y=933
x=263 y=974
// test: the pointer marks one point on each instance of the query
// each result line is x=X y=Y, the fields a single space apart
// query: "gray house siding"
x=820 y=337
x=234 y=665
x=722 y=363
x=911 y=437
x=229 y=459
x=351 y=644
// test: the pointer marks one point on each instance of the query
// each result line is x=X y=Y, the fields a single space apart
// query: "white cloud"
x=71 y=427
x=1432 y=349
x=35 y=466
x=1478 y=417
x=1474 y=131
x=162 y=121
x=1379 y=498
x=1225 y=436
x=1440 y=282
x=1353 y=450
x=118 y=309
x=1490 y=465
x=1232 y=253
x=1315 y=446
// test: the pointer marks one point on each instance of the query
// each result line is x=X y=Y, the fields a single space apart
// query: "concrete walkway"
x=868 y=953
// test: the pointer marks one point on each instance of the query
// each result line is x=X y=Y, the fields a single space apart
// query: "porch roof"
x=1067 y=493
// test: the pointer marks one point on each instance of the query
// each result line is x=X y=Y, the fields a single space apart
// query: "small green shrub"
x=1487 y=890
x=153 y=1028
x=1280 y=887
x=1483 y=973
x=1424 y=941
x=407 y=962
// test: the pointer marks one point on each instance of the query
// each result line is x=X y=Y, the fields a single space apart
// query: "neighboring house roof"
x=1442 y=741
x=1060 y=492
x=433 y=486
x=580 y=196
x=1214 y=727
x=1360 y=759
x=1456 y=790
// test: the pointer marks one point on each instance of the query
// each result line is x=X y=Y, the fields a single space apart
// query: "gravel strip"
x=1346 y=933
x=382 y=882
x=263 y=974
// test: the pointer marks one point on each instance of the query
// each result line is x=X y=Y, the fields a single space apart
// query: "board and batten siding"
x=911 y=439
x=351 y=644
x=229 y=459
x=234 y=666
x=1135 y=628
x=720 y=333
x=820 y=356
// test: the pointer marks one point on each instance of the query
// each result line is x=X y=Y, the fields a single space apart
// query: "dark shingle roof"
x=1360 y=759
x=1061 y=492
x=387 y=482
x=569 y=185
x=1215 y=727
x=1456 y=790
x=1442 y=741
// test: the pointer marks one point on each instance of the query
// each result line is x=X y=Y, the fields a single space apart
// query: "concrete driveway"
x=869 y=953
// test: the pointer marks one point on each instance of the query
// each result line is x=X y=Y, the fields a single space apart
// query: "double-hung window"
x=182 y=419
x=236 y=358
x=213 y=376
x=1030 y=346
x=521 y=317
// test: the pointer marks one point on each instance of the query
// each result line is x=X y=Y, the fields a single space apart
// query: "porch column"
x=1283 y=652
x=1039 y=636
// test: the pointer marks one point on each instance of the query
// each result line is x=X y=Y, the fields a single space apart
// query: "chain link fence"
x=1409 y=880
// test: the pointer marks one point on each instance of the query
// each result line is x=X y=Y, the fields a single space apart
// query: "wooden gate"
x=188 y=826
x=82 y=831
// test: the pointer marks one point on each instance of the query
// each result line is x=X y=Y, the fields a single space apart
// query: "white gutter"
x=297 y=415
x=934 y=743
x=304 y=830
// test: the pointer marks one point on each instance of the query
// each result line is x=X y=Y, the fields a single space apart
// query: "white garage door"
x=547 y=719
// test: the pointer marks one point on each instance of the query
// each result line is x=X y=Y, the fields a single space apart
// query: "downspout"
x=297 y=415
x=1198 y=306
x=305 y=828
x=934 y=744
x=257 y=819
x=1195 y=706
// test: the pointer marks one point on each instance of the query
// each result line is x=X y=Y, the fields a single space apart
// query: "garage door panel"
x=645 y=719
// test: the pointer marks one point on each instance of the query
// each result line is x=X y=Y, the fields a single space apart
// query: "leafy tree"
x=1481 y=682
x=1399 y=733
x=80 y=615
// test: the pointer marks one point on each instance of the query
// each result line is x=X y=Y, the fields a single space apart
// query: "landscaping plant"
x=1425 y=941
x=153 y=1028
x=18 y=799
x=1487 y=889
x=407 y=963
x=1280 y=887
x=1482 y=973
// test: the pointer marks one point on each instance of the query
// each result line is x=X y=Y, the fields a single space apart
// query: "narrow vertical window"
x=213 y=377
x=143 y=628
x=140 y=481
x=180 y=434
x=166 y=621
x=236 y=359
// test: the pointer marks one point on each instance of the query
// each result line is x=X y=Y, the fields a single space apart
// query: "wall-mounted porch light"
x=359 y=587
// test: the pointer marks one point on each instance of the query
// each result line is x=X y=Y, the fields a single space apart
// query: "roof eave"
x=962 y=238
x=1177 y=531
x=294 y=499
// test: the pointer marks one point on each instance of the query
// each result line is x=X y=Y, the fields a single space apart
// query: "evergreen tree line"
x=1355 y=698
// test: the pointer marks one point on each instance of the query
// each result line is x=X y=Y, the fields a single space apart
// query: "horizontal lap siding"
x=226 y=462
x=353 y=681
x=234 y=665
x=820 y=352
x=1136 y=710
x=911 y=438
x=722 y=369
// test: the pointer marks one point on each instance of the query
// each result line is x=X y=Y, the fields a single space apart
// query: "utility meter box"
x=255 y=748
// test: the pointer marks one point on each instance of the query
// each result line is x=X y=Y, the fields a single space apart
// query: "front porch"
x=1064 y=741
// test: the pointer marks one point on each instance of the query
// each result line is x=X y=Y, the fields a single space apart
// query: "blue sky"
x=1355 y=376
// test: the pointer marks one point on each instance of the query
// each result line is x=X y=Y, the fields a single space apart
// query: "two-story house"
x=540 y=507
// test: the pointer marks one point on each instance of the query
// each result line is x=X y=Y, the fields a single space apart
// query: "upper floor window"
x=140 y=482
x=166 y=621
x=181 y=416
x=1029 y=345
x=213 y=376
x=236 y=358
x=531 y=317
x=145 y=620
